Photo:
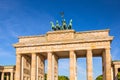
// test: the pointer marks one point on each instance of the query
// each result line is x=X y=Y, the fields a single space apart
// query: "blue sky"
x=32 y=17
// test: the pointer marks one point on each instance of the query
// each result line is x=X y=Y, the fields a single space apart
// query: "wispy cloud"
x=5 y=54
x=81 y=70
x=115 y=53
x=115 y=47
x=7 y=57
x=13 y=34
x=64 y=67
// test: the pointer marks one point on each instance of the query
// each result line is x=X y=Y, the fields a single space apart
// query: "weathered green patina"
x=64 y=25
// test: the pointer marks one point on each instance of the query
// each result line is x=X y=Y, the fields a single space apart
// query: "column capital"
x=50 y=52
x=33 y=53
x=89 y=49
x=72 y=51
x=88 y=52
x=108 y=48
x=12 y=72
x=18 y=55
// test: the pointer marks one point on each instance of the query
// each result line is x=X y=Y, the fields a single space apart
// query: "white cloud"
x=13 y=33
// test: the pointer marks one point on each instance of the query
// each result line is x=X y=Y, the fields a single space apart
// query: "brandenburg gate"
x=32 y=51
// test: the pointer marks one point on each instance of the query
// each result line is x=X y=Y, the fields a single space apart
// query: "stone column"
x=116 y=73
x=49 y=73
x=14 y=75
x=18 y=67
x=43 y=69
x=25 y=78
x=11 y=76
x=22 y=67
x=103 y=71
x=7 y=76
x=112 y=73
x=33 y=67
x=28 y=78
x=89 y=65
x=55 y=67
x=52 y=67
x=107 y=64
x=41 y=66
x=2 y=77
x=73 y=66
x=37 y=63
x=103 y=64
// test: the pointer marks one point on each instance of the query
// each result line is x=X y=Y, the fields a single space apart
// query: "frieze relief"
x=64 y=47
x=92 y=35
x=60 y=36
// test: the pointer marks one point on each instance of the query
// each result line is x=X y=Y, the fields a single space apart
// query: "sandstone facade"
x=32 y=51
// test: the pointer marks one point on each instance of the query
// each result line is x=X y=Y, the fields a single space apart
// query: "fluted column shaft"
x=22 y=67
x=52 y=67
x=2 y=77
x=11 y=76
x=7 y=76
x=107 y=65
x=73 y=66
x=116 y=73
x=89 y=65
x=55 y=67
x=40 y=67
x=49 y=75
x=18 y=67
x=33 y=67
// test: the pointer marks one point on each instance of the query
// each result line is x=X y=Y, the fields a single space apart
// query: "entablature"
x=64 y=37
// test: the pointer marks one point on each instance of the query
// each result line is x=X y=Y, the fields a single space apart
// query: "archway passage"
x=63 y=67
x=118 y=74
x=118 y=69
x=81 y=68
x=7 y=76
x=97 y=68
x=0 y=75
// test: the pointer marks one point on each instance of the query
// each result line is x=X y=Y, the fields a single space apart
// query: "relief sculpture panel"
x=64 y=47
